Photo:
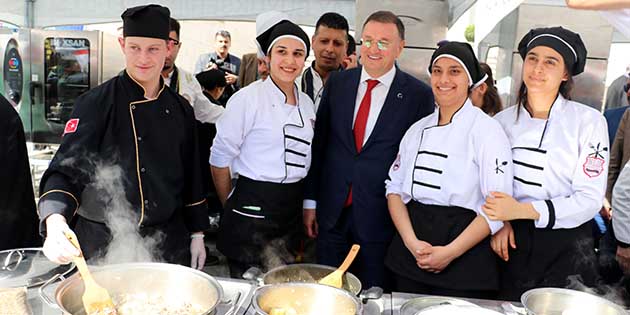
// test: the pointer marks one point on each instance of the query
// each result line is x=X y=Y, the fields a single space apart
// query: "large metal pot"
x=305 y=298
x=554 y=301
x=306 y=273
x=173 y=283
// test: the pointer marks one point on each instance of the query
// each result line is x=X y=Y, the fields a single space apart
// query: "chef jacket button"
x=139 y=138
x=133 y=106
x=143 y=170
x=168 y=111
x=146 y=201
x=141 y=226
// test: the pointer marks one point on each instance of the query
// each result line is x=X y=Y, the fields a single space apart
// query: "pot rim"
x=291 y=266
x=257 y=293
x=576 y=293
x=71 y=281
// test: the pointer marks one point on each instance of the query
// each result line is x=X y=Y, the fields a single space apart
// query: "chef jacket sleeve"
x=616 y=153
x=621 y=204
x=195 y=204
x=403 y=166
x=232 y=128
x=588 y=183
x=494 y=157
x=69 y=171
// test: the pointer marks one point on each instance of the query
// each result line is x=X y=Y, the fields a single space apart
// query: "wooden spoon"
x=96 y=299
x=335 y=278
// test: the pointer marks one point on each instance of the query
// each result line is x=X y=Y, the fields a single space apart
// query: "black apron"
x=174 y=246
x=547 y=258
x=261 y=222
x=439 y=225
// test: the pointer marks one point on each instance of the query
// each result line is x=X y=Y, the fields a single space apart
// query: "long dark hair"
x=565 y=90
x=491 y=100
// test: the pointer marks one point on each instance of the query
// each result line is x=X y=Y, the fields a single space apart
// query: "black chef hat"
x=464 y=55
x=283 y=29
x=210 y=79
x=147 y=21
x=568 y=44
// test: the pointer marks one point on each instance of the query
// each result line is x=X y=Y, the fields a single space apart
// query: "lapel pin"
x=399 y=95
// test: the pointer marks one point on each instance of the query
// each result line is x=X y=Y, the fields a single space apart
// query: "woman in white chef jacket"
x=264 y=138
x=447 y=164
x=560 y=152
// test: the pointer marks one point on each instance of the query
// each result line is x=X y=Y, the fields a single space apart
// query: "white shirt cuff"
x=217 y=160
x=309 y=204
x=541 y=207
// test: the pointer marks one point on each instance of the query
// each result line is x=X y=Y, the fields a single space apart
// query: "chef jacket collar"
x=460 y=114
x=136 y=90
x=277 y=95
x=556 y=110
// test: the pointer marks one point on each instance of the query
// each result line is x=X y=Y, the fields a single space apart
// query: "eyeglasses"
x=175 y=41
x=381 y=45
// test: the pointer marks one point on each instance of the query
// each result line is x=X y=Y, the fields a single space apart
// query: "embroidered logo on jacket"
x=71 y=126
x=498 y=169
x=594 y=164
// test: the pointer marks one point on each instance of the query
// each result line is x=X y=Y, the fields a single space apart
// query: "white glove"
x=197 y=251
x=57 y=247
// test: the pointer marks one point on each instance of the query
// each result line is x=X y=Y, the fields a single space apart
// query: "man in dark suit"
x=363 y=115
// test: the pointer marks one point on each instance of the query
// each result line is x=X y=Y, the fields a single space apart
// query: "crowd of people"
x=447 y=192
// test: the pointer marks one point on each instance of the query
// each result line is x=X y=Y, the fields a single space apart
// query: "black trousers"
x=333 y=245
x=404 y=284
x=548 y=258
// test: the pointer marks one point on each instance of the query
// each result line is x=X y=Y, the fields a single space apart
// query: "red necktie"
x=360 y=124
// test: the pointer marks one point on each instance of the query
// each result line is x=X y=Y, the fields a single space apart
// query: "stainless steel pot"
x=175 y=283
x=554 y=301
x=306 y=273
x=305 y=299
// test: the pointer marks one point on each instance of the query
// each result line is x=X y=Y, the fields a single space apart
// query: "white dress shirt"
x=560 y=163
x=189 y=88
x=261 y=137
x=457 y=164
x=379 y=93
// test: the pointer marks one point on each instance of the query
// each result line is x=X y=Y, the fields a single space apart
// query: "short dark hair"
x=387 y=17
x=332 y=20
x=352 y=46
x=174 y=26
x=223 y=33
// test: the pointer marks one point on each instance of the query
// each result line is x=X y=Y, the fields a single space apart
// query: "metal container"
x=304 y=273
x=305 y=298
x=172 y=283
x=28 y=267
x=554 y=301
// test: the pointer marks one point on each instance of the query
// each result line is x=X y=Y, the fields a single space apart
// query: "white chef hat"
x=264 y=22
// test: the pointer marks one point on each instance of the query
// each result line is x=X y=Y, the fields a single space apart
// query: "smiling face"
x=375 y=61
x=144 y=58
x=329 y=46
x=449 y=82
x=286 y=60
x=544 y=71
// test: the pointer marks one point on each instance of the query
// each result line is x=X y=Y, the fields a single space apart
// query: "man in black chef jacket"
x=18 y=218
x=132 y=121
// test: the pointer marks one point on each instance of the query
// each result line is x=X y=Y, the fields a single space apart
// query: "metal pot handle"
x=373 y=293
x=234 y=302
x=43 y=294
x=7 y=261
x=254 y=274
x=510 y=309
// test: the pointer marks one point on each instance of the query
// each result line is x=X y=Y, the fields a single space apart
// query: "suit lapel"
x=393 y=100
x=349 y=102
